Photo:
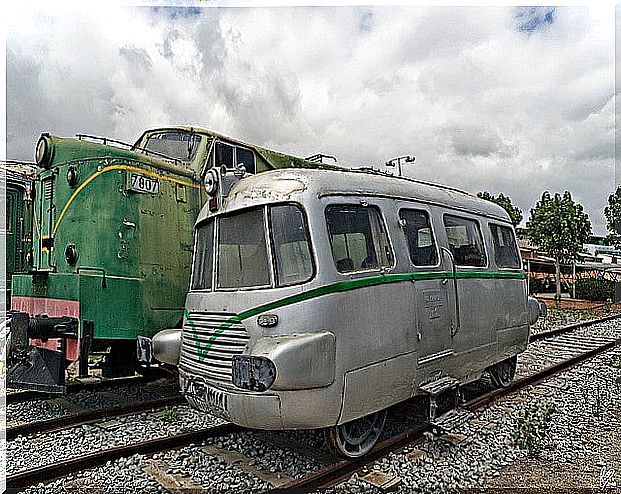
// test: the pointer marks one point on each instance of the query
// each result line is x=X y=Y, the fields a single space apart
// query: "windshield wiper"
x=191 y=143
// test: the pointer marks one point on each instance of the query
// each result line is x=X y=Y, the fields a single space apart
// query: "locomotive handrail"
x=104 y=284
x=132 y=147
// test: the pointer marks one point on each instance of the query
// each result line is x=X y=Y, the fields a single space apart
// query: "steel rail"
x=570 y=327
x=338 y=472
x=73 y=387
x=62 y=468
x=537 y=377
x=92 y=416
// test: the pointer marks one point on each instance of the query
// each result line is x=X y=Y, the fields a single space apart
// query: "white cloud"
x=481 y=104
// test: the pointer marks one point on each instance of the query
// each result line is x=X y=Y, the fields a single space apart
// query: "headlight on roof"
x=43 y=152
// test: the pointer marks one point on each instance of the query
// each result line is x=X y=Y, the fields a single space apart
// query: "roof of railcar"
x=289 y=184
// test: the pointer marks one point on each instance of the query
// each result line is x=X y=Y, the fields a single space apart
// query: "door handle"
x=444 y=281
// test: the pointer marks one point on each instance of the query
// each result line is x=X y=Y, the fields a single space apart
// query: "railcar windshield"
x=175 y=144
x=261 y=247
x=203 y=257
x=242 y=251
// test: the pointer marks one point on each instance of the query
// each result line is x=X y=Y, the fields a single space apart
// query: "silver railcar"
x=319 y=298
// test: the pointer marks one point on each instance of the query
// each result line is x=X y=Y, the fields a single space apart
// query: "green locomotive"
x=112 y=246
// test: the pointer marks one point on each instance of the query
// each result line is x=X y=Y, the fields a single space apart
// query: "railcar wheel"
x=502 y=373
x=356 y=438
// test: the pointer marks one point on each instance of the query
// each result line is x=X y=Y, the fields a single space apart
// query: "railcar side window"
x=505 y=248
x=358 y=238
x=291 y=245
x=242 y=251
x=465 y=241
x=203 y=257
x=417 y=229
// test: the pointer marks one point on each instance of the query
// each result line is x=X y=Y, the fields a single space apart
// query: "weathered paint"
x=53 y=307
x=134 y=249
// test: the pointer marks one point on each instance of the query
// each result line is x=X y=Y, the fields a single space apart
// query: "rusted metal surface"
x=55 y=470
x=76 y=419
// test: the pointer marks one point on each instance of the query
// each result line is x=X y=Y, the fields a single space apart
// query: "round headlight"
x=71 y=254
x=211 y=182
x=43 y=152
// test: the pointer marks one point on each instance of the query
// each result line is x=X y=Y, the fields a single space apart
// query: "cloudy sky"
x=504 y=99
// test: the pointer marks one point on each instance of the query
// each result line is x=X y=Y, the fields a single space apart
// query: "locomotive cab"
x=320 y=298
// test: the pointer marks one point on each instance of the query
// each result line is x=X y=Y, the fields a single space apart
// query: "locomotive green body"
x=112 y=242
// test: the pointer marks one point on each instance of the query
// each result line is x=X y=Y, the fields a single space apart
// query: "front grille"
x=210 y=340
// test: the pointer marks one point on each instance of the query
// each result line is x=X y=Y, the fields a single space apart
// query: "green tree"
x=504 y=201
x=613 y=218
x=559 y=226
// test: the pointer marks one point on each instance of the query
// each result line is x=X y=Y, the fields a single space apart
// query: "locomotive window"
x=465 y=241
x=358 y=238
x=291 y=245
x=203 y=257
x=505 y=248
x=231 y=156
x=245 y=157
x=178 y=145
x=224 y=155
x=242 y=251
x=421 y=244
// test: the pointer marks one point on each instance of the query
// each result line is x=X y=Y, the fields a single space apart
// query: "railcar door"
x=474 y=291
x=433 y=287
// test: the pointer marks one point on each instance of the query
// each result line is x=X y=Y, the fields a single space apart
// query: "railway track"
x=13 y=397
x=88 y=417
x=337 y=472
x=58 y=469
x=571 y=327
